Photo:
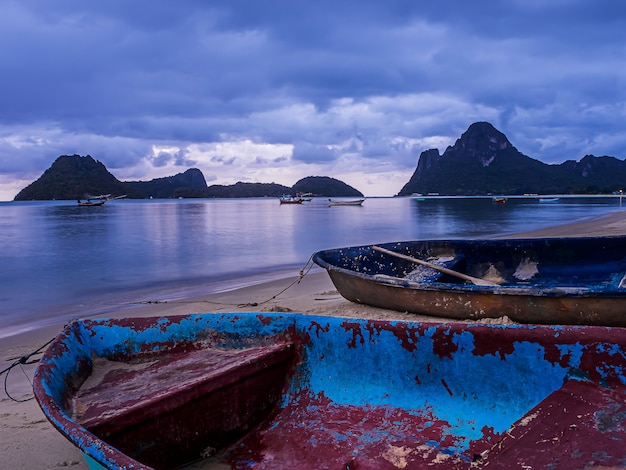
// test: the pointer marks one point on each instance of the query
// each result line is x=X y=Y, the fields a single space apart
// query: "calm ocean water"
x=59 y=261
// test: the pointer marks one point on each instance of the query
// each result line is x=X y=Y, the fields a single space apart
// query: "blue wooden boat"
x=550 y=281
x=285 y=391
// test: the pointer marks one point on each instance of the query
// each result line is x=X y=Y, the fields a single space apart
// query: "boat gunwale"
x=468 y=288
x=96 y=449
x=543 y=334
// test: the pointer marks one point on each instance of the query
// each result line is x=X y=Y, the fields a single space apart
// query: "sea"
x=59 y=261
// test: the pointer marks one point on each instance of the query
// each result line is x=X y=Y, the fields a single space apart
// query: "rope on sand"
x=25 y=360
x=19 y=362
x=303 y=272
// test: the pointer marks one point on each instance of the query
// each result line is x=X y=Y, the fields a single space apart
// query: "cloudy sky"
x=273 y=91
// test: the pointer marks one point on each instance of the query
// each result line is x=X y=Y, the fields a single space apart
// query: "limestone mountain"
x=483 y=161
x=73 y=177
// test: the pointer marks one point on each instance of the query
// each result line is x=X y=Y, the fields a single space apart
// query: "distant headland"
x=481 y=162
x=77 y=177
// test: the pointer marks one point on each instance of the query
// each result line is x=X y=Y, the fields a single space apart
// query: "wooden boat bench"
x=206 y=397
x=559 y=430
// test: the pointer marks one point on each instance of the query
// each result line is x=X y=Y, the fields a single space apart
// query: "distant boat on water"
x=289 y=199
x=91 y=202
x=98 y=200
x=548 y=199
x=336 y=202
x=498 y=200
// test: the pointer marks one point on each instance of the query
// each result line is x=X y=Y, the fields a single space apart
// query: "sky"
x=274 y=91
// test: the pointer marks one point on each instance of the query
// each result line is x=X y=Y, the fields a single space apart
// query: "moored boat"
x=91 y=202
x=545 y=200
x=498 y=200
x=278 y=391
x=342 y=202
x=98 y=200
x=549 y=281
x=289 y=199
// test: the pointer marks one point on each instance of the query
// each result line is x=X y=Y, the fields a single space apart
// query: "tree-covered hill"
x=76 y=177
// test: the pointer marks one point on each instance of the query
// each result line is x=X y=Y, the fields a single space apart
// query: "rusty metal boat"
x=579 y=281
x=285 y=391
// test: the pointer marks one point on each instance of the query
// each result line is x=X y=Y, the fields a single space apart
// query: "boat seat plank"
x=577 y=426
x=119 y=393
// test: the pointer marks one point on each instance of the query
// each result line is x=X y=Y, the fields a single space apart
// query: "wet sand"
x=28 y=440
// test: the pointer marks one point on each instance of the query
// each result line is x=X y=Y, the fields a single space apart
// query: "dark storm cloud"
x=306 y=152
x=124 y=80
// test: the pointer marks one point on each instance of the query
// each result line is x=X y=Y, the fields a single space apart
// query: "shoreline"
x=23 y=423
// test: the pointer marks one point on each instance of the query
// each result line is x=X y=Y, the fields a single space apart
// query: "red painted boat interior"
x=271 y=391
x=183 y=405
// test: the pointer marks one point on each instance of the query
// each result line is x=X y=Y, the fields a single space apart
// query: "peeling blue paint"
x=437 y=371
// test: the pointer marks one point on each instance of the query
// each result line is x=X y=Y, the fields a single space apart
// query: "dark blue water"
x=61 y=261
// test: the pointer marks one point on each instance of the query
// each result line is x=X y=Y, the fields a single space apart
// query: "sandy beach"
x=28 y=440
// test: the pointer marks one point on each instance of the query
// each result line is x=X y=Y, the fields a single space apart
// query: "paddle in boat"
x=550 y=281
x=341 y=202
x=286 y=391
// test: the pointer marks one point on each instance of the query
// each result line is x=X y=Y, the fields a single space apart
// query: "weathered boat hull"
x=557 y=309
x=353 y=393
x=579 y=281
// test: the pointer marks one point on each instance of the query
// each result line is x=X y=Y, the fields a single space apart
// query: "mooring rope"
x=303 y=272
x=25 y=359
x=19 y=362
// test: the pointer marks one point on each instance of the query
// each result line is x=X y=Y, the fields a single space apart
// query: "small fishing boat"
x=99 y=200
x=548 y=200
x=498 y=200
x=289 y=199
x=285 y=391
x=550 y=281
x=340 y=202
x=91 y=202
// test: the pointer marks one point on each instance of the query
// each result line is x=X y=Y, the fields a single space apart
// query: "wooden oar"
x=474 y=280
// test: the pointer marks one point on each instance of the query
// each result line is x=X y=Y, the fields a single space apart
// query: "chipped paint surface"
x=350 y=393
x=574 y=281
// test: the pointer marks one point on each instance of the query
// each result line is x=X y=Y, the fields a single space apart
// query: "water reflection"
x=473 y=217
x=59 y=255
